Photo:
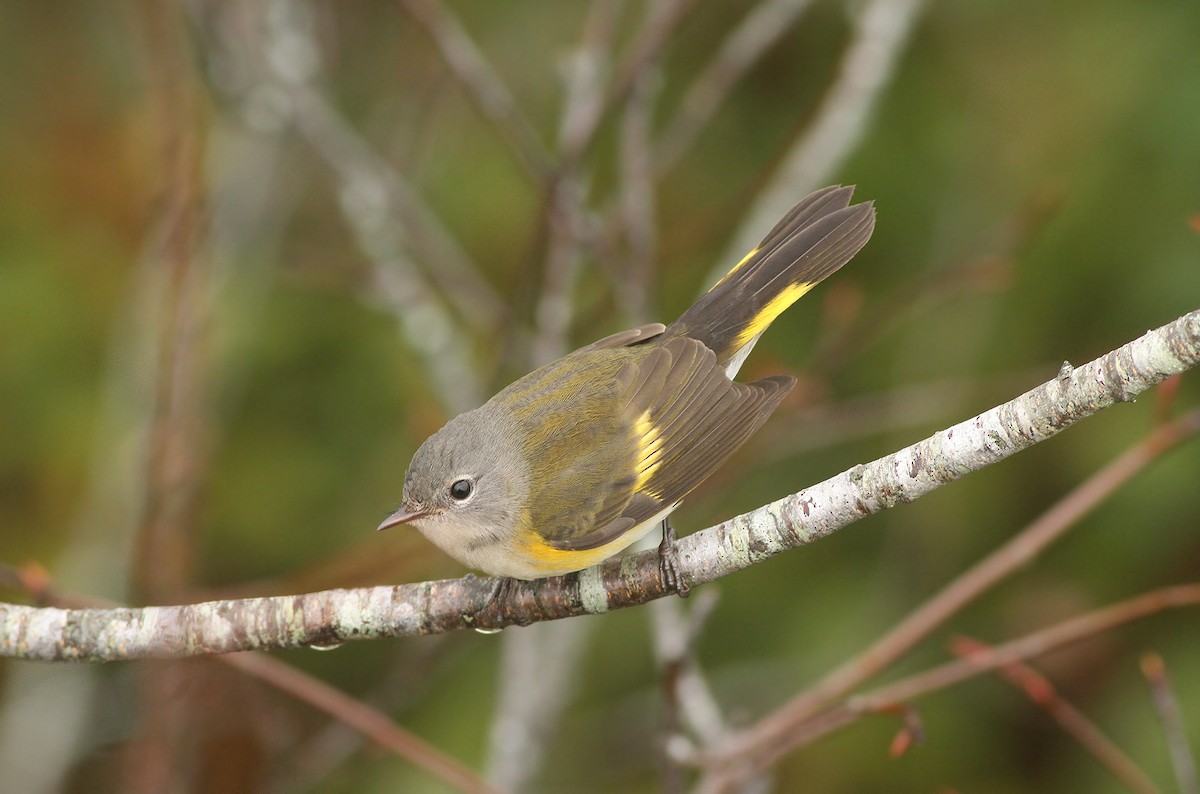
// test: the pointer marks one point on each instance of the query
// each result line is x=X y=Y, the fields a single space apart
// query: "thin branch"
x=555 y=307
x=637 y=197
x=368 y=721
x=584 y=71
x=373 y=196
x=370 y=195
x=482 y=83
x=1042 y=692
x=538 y=676
x=661 y=20
x=688 y=702
x=1030 y=646
x=433 y=607
x=363 y=718
x=1020 y=550
x=412 y=671
x=1167 y=707
x=175 y=446
x=759 y=30
x=887 y=699
x=881 y=32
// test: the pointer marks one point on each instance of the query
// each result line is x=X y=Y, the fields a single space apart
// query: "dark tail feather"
x=815 y=238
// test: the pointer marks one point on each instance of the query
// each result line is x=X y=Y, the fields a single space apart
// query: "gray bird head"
x=467 y=486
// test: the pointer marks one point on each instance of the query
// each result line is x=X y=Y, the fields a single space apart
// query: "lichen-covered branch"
x=336 y=616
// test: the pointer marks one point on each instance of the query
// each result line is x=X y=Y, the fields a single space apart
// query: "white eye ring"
x=462 y=489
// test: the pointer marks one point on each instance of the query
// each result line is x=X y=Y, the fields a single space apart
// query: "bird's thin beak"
x=402 y=516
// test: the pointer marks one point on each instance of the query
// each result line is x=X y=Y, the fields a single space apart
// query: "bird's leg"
x=668 y=561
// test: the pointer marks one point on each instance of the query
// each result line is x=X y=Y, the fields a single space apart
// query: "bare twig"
x=374 y=188
x=175 y=444
x=798 y=519
x=362 y=718
x=688 y=701
x=537 y=669
x=538 y=674
x=637 y=198
x=411 y=673
x=760 y=28
x=176 y=454
x=1018 y=551
x=372 y=195
x=1043 y=693
x=354 y=713
x=881 y=32
x=1167 y=706
x=567 y=228
x=1030 y=646
x=584 y=71
x=661 y=20
x=726 y=774
x=482 y=83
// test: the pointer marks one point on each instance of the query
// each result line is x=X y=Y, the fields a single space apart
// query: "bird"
x=575 y=461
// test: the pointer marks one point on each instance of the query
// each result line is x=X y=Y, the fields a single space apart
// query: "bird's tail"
x=815 y=238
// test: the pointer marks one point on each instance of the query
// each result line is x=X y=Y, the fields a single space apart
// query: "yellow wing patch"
x=650 y=442
x=773 y=309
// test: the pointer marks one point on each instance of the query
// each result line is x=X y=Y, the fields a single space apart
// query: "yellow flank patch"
x=649 y=442
x=773 y=309
x=738 y=266
x=550 y=560
x=547 y=560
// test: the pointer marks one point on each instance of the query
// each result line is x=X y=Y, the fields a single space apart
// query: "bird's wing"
x=632 y=336
x=677 y=418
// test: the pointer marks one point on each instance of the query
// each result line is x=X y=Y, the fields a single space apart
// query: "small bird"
x=584 y=456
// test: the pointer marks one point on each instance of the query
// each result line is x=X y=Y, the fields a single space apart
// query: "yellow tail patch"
x=773 y=309
x=739 y=265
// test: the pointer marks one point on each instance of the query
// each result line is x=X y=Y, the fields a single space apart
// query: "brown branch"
x=482 y=82
x=358 y=715
x=637 y=205
x=175 y=453
x=1030 y=646
x=881 y=30
x=1074 y=722
x=1011 y=556
x=1167 y=707
x=661 y=20
x=725 y=773
x=687 y=701
x=759 y=30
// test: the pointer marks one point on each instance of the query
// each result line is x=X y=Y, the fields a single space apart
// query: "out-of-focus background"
x=253 y=253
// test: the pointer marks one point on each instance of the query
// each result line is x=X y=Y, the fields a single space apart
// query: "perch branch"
x=433 y=607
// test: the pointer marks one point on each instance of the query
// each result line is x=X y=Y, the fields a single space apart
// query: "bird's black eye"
x=461 y=489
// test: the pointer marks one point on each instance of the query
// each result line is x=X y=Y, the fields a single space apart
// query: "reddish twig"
x=1001 y=563
x=761 y=27
x=1042 y=692
x=358 y=715
x=1031 y=646
x=725 y=771
x=482 y=83
x=1167 y=706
